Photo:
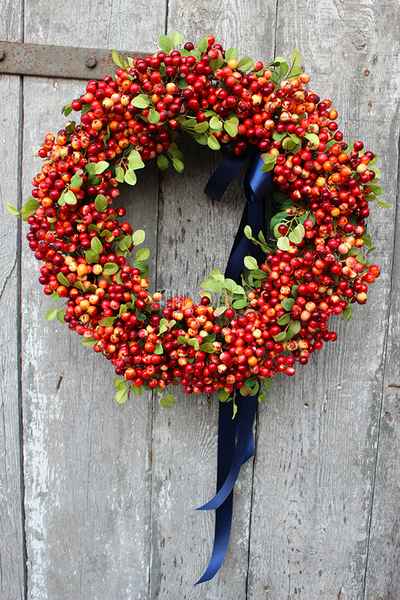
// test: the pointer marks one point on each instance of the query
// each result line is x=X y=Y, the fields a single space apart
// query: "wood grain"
x=12 y=577
x=11 y=534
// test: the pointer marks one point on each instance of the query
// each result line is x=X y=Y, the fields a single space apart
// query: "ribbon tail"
x=243 y=448
x=224 y=502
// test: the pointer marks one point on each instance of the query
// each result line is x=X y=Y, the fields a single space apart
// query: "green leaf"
x=86 y=108
x=238 y=304
x=165 y=43
x=130 y=177
x=71 y=127
x=287 y=303
x=213 y=143
x=159 y=348
x=280 y=336
x=348 y=313
x=121 y=396
x=231 y=129
x=116 y=58
x=170 y=397
x=67 y=109
x=120 y=384
x=137 y=390
x=376 y=189
x=91 y=257
x=216 y=274
x=294 y=72
x=178 y=164
x=245 y=64
x=142 y=254
x=248 y=232
x=143 y=268
x=174 y=151
x=284 y=320
x=278 y=137
x=62 y=279
x=283 y=243
x=201 y=127
x=295 y=58
x=212 y=285
x=162 y=162
x=89 y=343
x=55 y=297
x=29 y=208
x=255 y=389
x=296 y=236
x=70 y=197
x=96 y=245
x=90 y=168
x=61 y=315
x=293 y=329
x=202 y=139
x=223 y=395
x=313 y=138
x=176 y=38
x=367 y=240
x=266 y=385
x=51 y=314
x=203 y=44
x=231 y=53
x=110 y=268
x=138 y=237
x=278 y=60
x=383 y=204
x=76 y=181
x=207 y=347
x=250 y=263
x=269 y=162
x=216 y=123
x=125 y=243
x=141 y=101
x=165 y=403
x=12 y=210
x=153 y=116
x=119 y=174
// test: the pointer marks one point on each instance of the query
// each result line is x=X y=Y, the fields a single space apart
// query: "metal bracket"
x=63 y=62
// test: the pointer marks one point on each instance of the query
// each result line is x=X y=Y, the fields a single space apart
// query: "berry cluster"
x=279 y=316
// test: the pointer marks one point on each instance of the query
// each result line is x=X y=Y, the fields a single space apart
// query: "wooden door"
x=97 y=500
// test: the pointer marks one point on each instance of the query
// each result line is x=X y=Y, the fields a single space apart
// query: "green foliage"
x=165 y=44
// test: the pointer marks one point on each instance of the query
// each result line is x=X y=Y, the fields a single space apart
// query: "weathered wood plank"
x=87 y=459
x=11 y=519
x=383 y=571
x=195 y=236
x=318 y=434
x=11 y=532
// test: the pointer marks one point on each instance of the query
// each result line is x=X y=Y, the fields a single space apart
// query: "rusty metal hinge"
x=57 y=61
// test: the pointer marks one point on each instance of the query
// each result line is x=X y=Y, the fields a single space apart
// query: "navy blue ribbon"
x=235 y=436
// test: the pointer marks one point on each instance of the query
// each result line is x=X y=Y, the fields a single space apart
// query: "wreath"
x=244 y=329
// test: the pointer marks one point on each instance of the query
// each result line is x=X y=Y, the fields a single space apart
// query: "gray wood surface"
x=12 y=579
x=109 y=491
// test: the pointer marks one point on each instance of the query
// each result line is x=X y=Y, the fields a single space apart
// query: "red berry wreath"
x=279 y=316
